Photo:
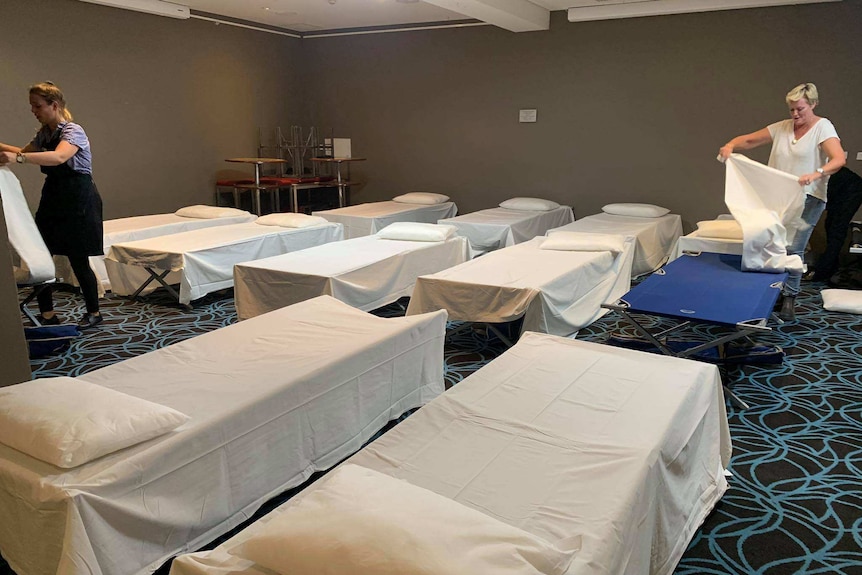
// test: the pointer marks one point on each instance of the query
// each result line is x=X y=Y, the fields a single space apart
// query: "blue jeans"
x=810 y=216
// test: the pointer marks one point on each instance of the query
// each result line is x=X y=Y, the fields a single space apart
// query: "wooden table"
x=339 y=181
x=258 y=162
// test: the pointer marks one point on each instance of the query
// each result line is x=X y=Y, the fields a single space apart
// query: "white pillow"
x=636 y=210
x=723 y=229
x=68 y=422
x=362 y=522
x=417 y=232
x=209 y=212
x=844 y=300
x=290 y=220
x=424 y=198
x=584 y=242
x=530 y=204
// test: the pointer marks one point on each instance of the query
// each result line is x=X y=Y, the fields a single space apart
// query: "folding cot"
x=590 y=459
x=698 y=241
x=655 y=236
x=705 y=288
x=497 y=228
x=366 y=272
x=32 y=263
x=271 y=400
x=205 y=258
x=555 y=291
x=134 y=228
x=370 y=218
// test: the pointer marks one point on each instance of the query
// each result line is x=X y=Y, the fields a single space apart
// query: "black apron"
x=70 y=211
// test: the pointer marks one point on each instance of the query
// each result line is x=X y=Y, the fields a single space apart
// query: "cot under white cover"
x=497 y=228
x=205 y=257
x=655 y=237
x=366 y=272
x=696 y=243
x=370 y=218
x=556 y=292
x=272 y=400
x=616 y=453
x=134 y=228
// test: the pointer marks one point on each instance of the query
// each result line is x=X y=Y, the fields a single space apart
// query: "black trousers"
x=86 y=279
x=844 y=196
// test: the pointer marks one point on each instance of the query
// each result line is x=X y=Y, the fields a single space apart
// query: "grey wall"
x=163 y=101
x=628 y=110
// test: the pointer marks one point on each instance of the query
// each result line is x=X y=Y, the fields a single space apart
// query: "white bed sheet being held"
x=497 y=228
x=365 y=272
x=135 y=228
x=271 y=400
x=369 y=218
x=205 y=257
x=556 y=292
x=655 y=237
x=612 y=454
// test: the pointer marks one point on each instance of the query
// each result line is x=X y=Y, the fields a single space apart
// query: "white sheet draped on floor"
x=768 y=204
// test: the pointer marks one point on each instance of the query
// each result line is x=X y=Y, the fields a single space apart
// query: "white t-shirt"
x=805 y=155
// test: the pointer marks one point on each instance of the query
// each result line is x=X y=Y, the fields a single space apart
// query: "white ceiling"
x=313 y=16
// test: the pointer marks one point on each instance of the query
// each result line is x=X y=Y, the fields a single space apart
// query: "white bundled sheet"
x=556 y=292
x=768 y=204
x=655 y=237
x=366 y=273
x=370 y=218
x=614 y=454
x=205 y=257
x=35 y=264
x=271 y=400
x=497 y=228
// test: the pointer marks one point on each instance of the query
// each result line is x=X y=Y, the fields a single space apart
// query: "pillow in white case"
x=68 y=422
x=209 y=212
x=291 y=220
x=530 y=204
x=636 y=210
x=844 y=300
x=423 y=198
x=362 y=522
x=584 y=242
x=721 y=229
x=417 y=232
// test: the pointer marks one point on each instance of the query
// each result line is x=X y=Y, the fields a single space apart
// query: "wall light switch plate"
x=527 y=116
x=859 y=155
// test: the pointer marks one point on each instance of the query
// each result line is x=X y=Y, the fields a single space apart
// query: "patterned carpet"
x=795 y=498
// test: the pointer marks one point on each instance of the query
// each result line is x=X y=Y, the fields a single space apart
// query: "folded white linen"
x=209 y=212
x=68 y=422
x=363 y=522
x=843 y=300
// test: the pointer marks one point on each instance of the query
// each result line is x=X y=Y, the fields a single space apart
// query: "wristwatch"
x=20 y=158
x=821 y=171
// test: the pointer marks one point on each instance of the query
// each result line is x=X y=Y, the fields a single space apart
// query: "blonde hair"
x=51 y=93
x=806 y=90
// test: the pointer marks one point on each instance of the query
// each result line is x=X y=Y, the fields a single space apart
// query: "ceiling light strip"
x=309 y=36
x=247 y=26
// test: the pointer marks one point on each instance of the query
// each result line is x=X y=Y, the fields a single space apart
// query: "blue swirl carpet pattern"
x=795 y=498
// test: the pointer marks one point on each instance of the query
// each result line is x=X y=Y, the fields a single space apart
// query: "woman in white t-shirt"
x=808 y=147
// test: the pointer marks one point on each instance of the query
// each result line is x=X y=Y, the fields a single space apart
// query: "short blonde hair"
x=806 y=90
x=52 y=93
